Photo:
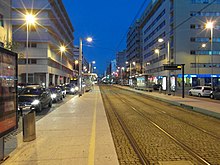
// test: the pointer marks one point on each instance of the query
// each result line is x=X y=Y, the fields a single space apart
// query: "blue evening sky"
x=106 y=21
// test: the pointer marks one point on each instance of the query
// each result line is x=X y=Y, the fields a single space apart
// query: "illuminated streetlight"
x=157 y=51
x=168 y=62
x=88 y=39
x=210 y=25
x=160 y=40
x=91 y=66
x=130 y=70
x=30 y=20
x=122 y=68
x=62 y=50
x=202 y=46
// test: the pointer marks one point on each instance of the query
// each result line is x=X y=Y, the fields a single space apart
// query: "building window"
x=32 y=61
x=30 y=77
x=1 y=20
x=31 y=45
x=21 y=61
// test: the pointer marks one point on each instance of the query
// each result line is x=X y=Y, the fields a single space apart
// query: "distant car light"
x=35 y=102
x=72 y=90
x=53 y=96
x=76 y=88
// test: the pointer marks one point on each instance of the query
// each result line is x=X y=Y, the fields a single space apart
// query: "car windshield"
x=53 y=89
x=62 y=87
x=31 y=91
x=69 y=85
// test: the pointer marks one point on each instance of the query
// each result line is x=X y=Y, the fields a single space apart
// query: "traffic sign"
x=173 y=67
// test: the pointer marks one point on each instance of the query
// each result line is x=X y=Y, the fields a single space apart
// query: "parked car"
x=200 y=91
x=63 y=89
x=71 y=89
x=56 y=94
x=157 y=86
x=215 y=93
x=34 y=97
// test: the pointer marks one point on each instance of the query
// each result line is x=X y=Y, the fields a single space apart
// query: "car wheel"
x=61 y=98
x=190 y=93
x=199 y=95
x=212 y=96
x=50 y=104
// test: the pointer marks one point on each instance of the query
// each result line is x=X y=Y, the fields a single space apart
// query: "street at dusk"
x=110 y=82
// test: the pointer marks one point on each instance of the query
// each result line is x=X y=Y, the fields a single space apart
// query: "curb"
x=185 y=106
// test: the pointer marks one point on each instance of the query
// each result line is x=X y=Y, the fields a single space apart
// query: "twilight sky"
x=106 y=21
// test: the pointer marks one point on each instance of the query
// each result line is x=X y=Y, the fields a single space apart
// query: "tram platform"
x=76 y=133
x=204 y=106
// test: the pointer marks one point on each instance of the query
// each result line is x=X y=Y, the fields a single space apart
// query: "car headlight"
x=35 y=102
x=53 y=95
x=72 y=90
x=76 y=88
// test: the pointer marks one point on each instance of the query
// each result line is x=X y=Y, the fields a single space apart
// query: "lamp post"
x=197 y=63
x=91 y=66
x=168 y=62
x=210 y=25
x=88 y=39
x=157 y=51
x=122 y=68
x=130 y=70
x=62 y=50
x=30 y=20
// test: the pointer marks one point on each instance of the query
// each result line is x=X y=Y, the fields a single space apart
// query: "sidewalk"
x=76 y=133
x=204 y=107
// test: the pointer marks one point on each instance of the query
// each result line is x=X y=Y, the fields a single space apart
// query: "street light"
x=62 y=50
x=122 y=68
x=202 y=46
x=30 y=20
x=210 y=25
x=130 y=70
x=91 y=66
x=88 y=39
x=157 y=51
x=168 y=62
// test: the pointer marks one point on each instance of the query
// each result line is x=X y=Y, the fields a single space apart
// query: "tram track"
x=143 y=160
x=189 y=150
x=174 y=117
x=199 y=159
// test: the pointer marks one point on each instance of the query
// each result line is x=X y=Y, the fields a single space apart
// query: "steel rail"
x=185 y=147
x=140 y=154
x=170 y=115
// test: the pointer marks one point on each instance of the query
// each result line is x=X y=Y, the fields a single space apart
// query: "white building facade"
x=40 y=58
x=182 y=26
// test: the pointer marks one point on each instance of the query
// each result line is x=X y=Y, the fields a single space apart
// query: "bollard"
x=29 y=130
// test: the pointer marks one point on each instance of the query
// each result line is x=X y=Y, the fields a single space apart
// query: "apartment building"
x=5 y=24
x=121 y=58
x=133 y=45
x=41 y=60
x=181 y=24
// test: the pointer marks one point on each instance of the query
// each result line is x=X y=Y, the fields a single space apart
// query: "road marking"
x=92 y=139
